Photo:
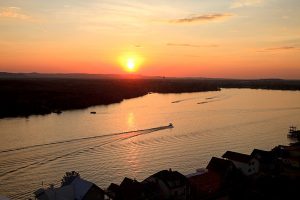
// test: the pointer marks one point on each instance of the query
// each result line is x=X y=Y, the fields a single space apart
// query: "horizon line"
x=138 y=75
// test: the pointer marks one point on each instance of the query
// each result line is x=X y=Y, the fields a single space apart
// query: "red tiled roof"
x=207 y=183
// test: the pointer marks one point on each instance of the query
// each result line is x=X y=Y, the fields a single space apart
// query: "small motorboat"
x=57 y=112
x=171 y=125
x=294 y=132
x=93 y=112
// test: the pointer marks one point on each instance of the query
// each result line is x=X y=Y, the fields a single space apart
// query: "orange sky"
x=216 y=38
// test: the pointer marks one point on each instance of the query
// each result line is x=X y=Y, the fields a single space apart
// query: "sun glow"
x=131 y=62
x=130 y=65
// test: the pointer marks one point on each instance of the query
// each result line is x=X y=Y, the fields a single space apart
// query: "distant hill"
x=7 y=75
x=35 y=75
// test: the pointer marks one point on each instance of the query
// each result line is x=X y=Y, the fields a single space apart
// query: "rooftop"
x=219 y=165
x=171 y=178
x=265 y=156
x=81 y=187
x=234 y=156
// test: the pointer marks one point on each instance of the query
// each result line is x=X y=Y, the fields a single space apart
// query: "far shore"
x=22 y=96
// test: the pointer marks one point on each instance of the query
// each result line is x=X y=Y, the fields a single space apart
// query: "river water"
x=131 y=138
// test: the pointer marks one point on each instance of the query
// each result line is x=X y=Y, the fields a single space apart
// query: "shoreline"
x=24 y=97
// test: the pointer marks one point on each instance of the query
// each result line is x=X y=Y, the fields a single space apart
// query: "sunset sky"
x=205 y=38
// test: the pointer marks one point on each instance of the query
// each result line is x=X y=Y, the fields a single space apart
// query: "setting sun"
x=131 y=62
x=130 y=65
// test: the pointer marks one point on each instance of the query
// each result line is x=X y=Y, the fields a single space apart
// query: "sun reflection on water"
x=131 y=121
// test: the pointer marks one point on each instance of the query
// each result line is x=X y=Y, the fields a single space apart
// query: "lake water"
x=129 y=138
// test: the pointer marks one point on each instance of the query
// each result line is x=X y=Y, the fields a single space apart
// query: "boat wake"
x=85 y=138
x=182 y=100
x=214 y=99
x=209 y=99
x=37 y=155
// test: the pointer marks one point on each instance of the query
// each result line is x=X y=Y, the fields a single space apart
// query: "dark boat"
x=294 y=132
x=57 y=112
x=93 y=112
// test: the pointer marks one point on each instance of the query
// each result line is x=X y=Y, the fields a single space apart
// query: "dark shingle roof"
x=234 y=156
x=219 y=165
x=113 y=190
x=171 y=178
x=113 y=187
x=264 y=156
x=134 y=190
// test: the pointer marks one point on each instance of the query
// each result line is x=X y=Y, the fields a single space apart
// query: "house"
x=268 y=161
x=132 y=190
x=224 y=168
x=209 y=183
x=172 y=185
x=246 y=163
x=263 y=156
x=292 y=151
x=52 y=193
x=86 y=190
x=112 y=191
x=72 y=187
x=204 y=185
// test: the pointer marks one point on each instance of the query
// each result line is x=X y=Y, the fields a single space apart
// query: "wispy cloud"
x=282 y=48
x=202 y=18
x=191 y=45
x=243 y=3
x=14 y=13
